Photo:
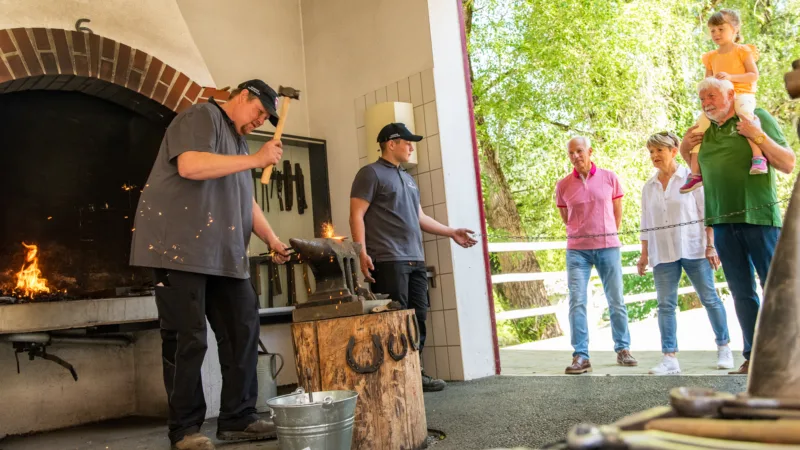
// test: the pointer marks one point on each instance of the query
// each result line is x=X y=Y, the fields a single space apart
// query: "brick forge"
x=56 y=59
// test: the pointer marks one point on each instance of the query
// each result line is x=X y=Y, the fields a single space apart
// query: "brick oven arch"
x=57 y=59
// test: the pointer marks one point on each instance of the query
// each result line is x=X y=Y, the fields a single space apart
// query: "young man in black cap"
x=193 y=225
x=387 y=219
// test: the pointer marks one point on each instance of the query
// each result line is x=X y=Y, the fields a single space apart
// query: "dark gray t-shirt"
x=392 y=230
x=196 y=226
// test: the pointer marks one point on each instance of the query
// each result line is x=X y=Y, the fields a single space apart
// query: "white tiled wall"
x=442 y=354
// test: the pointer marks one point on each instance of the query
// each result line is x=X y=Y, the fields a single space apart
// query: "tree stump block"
x=390 y=412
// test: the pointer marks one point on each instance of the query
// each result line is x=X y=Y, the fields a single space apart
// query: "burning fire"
x=328 y=233
x=29 y=279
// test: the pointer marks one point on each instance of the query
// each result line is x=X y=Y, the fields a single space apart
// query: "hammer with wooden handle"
x=288 y=94
x=785 y=431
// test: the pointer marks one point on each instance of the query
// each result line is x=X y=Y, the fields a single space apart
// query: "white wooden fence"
x=560 y=309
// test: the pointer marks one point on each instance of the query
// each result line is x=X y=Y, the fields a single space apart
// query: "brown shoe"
x=579 y=365
x=256 y=431
x=624 y=358
x=743 y=369
x=194 y=441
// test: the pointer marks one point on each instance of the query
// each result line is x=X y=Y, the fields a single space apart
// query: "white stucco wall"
x=245 y=39
x=154 y=26
x=353 y=47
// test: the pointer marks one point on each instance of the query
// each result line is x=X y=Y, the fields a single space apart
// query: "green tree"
x=615 y=71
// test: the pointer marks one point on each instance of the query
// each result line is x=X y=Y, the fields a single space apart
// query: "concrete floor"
x=497 y=412
x=517 y=410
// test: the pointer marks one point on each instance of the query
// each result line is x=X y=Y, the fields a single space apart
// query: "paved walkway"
x=695 y=339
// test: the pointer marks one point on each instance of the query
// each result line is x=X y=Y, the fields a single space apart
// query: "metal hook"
x=80 y=22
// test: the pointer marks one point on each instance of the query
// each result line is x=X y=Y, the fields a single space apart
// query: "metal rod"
x=90 y=340
x=34 y=338
x=45 y=338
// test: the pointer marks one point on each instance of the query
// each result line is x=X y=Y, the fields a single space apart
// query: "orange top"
x=732 y=63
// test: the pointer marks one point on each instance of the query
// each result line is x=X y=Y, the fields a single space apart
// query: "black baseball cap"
x=397 y=131
x=267 y=95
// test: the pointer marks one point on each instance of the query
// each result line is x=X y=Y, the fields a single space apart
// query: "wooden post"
x=390 y=412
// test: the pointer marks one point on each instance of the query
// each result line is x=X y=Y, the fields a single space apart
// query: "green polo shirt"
x=725 y=158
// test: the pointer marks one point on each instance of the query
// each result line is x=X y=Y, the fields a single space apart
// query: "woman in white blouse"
x=670 y=251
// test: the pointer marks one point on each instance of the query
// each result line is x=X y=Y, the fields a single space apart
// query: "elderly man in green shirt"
x=745 y=240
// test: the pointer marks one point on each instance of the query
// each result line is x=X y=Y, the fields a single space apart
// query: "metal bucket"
x=322 y=422
x=267 y=372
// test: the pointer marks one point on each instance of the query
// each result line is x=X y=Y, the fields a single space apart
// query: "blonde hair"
x=663 y=139
x=730 y=17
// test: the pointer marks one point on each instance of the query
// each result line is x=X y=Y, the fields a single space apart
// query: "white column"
x=466 y=316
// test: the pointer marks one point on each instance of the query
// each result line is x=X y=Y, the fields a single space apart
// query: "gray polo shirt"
x=196 y=226
x=391 y=222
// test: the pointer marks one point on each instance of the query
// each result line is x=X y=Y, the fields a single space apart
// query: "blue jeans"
x=667 y=276
x=609 y=266
x=743 y=247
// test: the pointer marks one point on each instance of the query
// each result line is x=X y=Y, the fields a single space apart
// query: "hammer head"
x=290 y=92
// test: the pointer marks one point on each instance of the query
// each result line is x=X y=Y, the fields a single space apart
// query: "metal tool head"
x=698 y=402
x=290 y=92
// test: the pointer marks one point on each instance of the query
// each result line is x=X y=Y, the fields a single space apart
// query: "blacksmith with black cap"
x=387 y=219
x=193 y=226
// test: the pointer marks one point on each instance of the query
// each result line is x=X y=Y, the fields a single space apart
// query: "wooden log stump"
x=390 y=413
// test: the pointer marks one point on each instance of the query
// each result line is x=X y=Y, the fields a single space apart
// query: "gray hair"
x=585 y=140
x=663 y=139
x=724 y=86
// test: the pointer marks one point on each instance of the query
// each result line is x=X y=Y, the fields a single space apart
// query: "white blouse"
x=667 y=207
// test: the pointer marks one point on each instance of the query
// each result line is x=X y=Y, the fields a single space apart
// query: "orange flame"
x=327 y=232
x=29 y=279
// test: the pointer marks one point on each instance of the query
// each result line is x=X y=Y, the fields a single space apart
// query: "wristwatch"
x=760 y=139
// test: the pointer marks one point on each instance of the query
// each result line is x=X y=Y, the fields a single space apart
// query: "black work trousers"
x=405 y=282
x=184 y=301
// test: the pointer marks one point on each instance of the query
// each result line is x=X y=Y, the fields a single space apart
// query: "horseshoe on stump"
x=413 y=338
x=376 y=361
x=390 y=347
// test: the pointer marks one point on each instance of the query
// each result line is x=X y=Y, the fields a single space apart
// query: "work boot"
x=579 y=365
x=743 y=369
x=196 y=441
x=256 y=431
x=430 y=384
x=624 y=358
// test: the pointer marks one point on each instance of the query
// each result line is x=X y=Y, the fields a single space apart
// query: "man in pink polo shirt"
x=590 y=203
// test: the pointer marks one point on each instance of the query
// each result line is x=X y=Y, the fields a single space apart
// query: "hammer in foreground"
x=288 y=93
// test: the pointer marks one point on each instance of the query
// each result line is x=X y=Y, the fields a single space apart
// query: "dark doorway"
x=73 y=167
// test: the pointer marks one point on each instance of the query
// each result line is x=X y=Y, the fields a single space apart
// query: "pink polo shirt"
x=590 y=207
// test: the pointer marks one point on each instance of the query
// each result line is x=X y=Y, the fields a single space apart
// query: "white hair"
x=585 y=140
x=724 y=86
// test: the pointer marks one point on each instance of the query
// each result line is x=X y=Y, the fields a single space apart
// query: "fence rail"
x=542 y=276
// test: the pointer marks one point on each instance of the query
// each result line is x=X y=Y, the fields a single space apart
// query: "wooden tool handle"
x=770 y=431
x=267 y=173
